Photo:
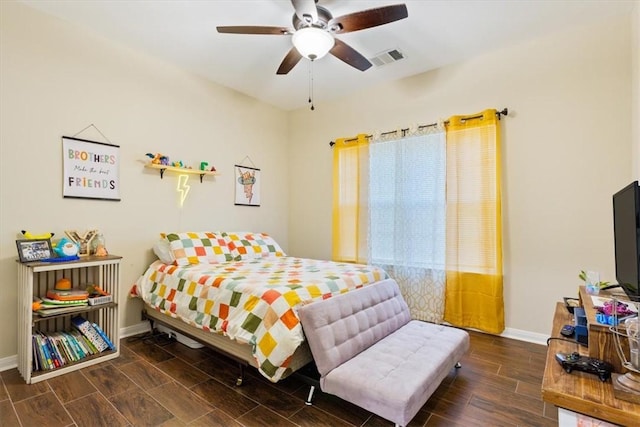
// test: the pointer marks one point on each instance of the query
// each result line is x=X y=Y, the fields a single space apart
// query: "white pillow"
x=162 y=249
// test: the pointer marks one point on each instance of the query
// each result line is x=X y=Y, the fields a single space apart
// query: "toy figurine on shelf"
x=31 y=236
x=158 y=159
x=204 y=166
x=98 y=247
x=67 y=248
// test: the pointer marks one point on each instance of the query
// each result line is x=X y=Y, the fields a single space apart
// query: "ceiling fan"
x=314 y=30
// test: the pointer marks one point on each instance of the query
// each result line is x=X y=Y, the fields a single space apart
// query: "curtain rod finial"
x=332 y=143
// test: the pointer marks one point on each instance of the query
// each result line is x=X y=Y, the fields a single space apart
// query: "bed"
x=239 y=293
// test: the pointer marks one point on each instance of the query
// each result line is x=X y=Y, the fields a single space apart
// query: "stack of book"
x=61 y=302
x=55 y=349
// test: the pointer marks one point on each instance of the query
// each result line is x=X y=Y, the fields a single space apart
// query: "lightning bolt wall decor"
x=183 y=188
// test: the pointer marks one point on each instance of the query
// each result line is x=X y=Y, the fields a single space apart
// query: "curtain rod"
x=503 y=112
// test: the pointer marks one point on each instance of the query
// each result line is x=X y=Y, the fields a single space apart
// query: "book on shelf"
x=46 y=303
x=38 y=357
x=81 y=344
x=104 y=336
x=68 y=295
x=45 y=355
x=47 y=351
x=38 y=353
x=70 y=346
x=64 y=349
x=58 y=352
x=49 y=345
x=35 y=360
x=47 y=312
x=92 y=335
x=91 y=348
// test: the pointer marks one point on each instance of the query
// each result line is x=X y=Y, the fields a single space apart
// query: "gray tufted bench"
x=369 y=352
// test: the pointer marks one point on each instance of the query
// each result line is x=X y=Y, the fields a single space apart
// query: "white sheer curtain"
x=407 y=216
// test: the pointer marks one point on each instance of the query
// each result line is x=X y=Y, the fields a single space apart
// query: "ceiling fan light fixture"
x=312 y=43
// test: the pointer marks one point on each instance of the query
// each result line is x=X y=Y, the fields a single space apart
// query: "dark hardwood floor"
x=158 y=382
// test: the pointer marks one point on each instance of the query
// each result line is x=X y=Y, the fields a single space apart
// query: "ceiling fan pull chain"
x=311 y=85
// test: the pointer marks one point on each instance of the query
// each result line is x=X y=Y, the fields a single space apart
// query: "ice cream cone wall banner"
x=247 y=183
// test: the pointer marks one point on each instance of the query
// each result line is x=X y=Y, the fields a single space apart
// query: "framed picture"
x=91 y=169
x=247 y=182
x=34 y=249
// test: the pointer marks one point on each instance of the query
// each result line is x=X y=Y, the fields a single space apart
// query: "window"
x=427 y=208
x=407 y=201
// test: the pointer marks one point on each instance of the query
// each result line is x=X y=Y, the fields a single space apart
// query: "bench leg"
x=310 y=396
x=458 y=365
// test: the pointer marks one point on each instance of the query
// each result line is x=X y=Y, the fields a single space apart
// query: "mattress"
x=251 y=301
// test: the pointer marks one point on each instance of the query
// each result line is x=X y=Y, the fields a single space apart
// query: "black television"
x=626 y=231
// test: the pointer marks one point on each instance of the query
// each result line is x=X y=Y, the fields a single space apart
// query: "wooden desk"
x=579 y=391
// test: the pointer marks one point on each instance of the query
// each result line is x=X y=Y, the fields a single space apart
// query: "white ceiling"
x=436 y=33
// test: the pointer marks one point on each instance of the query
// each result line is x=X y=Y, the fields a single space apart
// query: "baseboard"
x=144 y=326
x=139 y=328
x=11 y=362
x=520 y=335
x=7 y=363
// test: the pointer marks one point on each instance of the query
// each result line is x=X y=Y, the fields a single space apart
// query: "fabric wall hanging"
x=91 y=169
x=247 y=184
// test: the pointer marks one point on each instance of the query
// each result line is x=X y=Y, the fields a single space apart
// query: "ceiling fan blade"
x=289 y=61
x=347 y=54
x=305 y=10
x=368 y=18
x=249 y=29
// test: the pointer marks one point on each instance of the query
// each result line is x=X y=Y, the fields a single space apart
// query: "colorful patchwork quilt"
x=252 y=301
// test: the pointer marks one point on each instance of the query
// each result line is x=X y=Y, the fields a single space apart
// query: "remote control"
x=567 y=331
x=573 y=361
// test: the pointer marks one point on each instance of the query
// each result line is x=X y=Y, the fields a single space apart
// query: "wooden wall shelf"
x=163 y=168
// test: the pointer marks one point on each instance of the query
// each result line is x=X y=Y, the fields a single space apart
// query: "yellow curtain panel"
x=350 y=214
x=474 y=290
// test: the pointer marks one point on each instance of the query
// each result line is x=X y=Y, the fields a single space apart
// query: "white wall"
x=56 y=79
x=566 y=149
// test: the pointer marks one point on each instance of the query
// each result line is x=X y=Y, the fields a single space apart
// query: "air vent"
x=387 y=57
